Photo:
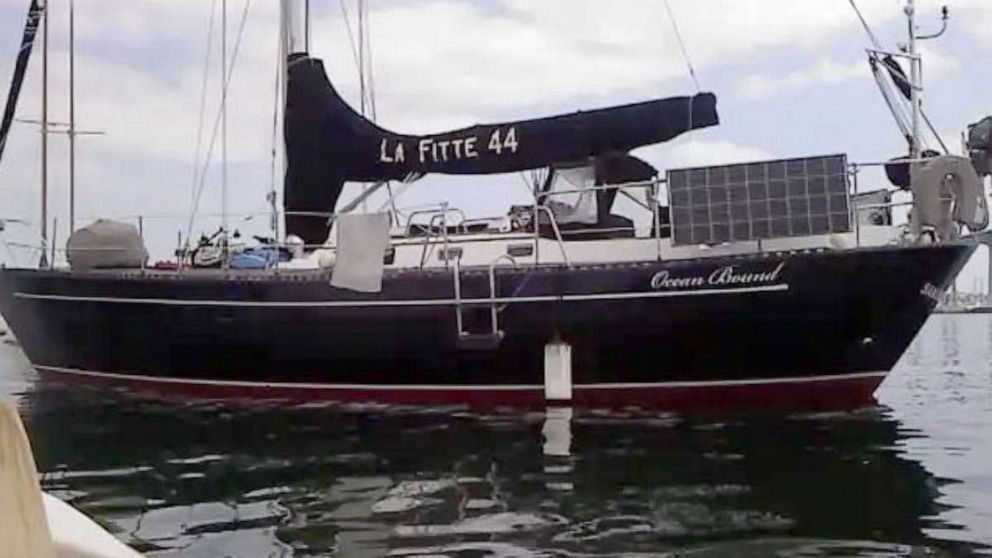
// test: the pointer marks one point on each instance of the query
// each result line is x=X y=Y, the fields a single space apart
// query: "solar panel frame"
x=759 y=200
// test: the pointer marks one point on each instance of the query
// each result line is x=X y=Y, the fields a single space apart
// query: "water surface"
x=910 y=476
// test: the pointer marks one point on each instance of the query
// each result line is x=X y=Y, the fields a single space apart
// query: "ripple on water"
x=471 y=549
x=697 y=520
x=177 y=527
x=491 y=524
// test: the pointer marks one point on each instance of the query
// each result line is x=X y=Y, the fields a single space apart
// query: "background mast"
x=72 y=117
x=43 y=262
x=223 y=129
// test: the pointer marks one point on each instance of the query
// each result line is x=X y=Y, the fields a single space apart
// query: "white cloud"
x=759 y=86
x=828 y=71
x=698 y=153
x=521 y=58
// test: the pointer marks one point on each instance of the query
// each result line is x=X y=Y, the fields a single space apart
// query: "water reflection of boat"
x=359 y=480
x=754 y=283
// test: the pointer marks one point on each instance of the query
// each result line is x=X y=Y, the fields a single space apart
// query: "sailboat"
x=756 y=283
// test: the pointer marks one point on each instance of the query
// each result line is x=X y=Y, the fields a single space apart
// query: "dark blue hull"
x=712 y=330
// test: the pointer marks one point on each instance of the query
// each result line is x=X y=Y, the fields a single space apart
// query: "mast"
x=295 y=15
x=294 y=39
x=223 y=125
x=44 y=140
x=914 y=77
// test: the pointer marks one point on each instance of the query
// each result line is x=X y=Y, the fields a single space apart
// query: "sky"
x=791 y=78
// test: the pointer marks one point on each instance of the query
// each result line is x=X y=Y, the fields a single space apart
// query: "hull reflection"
x=365 y=480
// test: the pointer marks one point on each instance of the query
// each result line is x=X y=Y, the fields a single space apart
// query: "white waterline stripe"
x=473 y=387
x=387 y=303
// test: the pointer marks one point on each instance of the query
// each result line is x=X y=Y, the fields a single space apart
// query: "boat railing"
x=433 y=212
x=558 y=238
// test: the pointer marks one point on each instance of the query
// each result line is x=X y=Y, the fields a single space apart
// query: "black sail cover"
x=20 y=68
x=328 y=143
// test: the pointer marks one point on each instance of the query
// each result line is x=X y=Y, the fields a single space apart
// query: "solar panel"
x=772 y=199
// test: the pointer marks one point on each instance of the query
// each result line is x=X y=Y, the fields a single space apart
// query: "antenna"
x=945 y=15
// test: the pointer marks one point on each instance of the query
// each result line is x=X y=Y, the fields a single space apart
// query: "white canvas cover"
x=362 y=243
x=106 y=245
x=947 y=189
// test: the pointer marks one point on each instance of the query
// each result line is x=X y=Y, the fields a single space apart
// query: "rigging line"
x=361 y=53
x=392 y=203
x=351 y=36
x=217 y=120
x=864 y=23
x=898 y=112
x=685 y=51
x=203 y=104
x=933 y=130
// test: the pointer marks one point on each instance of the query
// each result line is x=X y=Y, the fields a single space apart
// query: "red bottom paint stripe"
x=816 y=391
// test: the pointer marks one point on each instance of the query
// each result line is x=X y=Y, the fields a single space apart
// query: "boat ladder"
x=487 y=340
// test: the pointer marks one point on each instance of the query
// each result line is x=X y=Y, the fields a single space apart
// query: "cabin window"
x=520 y=250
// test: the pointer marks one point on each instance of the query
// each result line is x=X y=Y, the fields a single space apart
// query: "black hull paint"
x=822 y=315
